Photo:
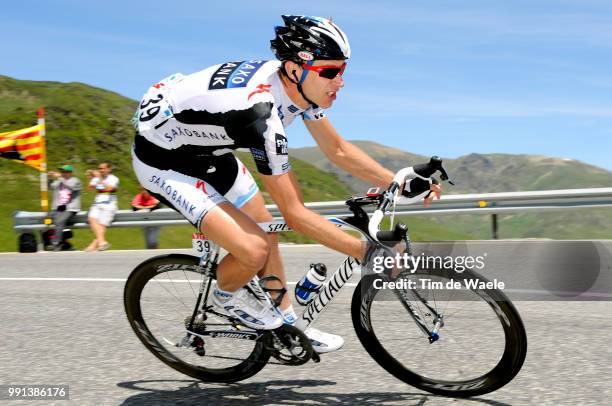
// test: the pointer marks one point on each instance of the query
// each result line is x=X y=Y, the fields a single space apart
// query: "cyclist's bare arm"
x=352 y=159
x=285 y=191
x=346 y=155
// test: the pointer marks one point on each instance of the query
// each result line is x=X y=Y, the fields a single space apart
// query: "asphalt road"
x=73 y=330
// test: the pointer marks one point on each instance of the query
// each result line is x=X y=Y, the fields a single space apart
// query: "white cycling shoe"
x=246 y=308
x=323 y=342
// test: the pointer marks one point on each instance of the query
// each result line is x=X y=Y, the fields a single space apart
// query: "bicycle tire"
x=134 y=286
x=504 y=371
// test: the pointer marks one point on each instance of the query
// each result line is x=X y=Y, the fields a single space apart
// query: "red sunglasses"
x=326 y=71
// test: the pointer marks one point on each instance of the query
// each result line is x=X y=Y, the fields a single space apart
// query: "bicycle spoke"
x=164 y=310
x=472 y=338
x=159 y=283
x=187 y=279
x=174 y=286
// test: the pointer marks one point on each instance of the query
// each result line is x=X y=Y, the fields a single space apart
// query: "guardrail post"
x=494 y=226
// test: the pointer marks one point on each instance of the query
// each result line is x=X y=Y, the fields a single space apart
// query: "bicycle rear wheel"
x=482 y=343
x=160 y=297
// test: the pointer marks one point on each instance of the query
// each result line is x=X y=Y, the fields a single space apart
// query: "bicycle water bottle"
x=309 y=285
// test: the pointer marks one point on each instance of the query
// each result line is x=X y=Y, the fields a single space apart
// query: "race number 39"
x=201 y=245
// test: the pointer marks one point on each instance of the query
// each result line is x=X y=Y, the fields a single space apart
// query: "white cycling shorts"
x=210 y=181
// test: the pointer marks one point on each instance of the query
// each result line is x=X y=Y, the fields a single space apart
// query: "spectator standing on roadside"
x=66 y=201
x=104 y=207
x=144 y=201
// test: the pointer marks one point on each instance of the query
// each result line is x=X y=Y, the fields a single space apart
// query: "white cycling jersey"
x=187 y=125
x=235 y=105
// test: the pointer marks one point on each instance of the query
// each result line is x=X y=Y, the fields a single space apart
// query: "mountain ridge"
x=497 y=172
x=471 y=168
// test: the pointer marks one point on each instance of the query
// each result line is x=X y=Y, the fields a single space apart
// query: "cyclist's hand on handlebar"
x=425 y=187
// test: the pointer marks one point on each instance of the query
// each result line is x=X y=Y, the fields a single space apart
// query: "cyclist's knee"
x=256 y=255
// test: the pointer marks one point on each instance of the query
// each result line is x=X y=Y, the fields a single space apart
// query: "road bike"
x=462 y=342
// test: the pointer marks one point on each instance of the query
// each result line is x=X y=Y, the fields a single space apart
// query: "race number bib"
x=154 y=110
x=201 y=245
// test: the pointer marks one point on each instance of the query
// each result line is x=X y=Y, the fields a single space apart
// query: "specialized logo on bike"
x=234 y=74
x=276 y=227
x=242 y=336
x=281 y=145
x=327 y=293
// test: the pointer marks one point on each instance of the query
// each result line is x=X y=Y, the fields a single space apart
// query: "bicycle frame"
x=328 y=290
x=337 y=281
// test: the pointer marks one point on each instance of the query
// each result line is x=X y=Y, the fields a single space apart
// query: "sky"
x=429 y=77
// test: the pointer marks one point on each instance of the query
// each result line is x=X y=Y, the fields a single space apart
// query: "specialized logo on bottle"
x=234 y=74
x=281 y=145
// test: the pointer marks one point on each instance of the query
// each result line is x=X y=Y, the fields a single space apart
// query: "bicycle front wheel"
x=460 y=342
x=161 y=300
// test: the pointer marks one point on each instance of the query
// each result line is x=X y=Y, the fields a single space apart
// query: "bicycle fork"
x=432 y=334
x=402 y=295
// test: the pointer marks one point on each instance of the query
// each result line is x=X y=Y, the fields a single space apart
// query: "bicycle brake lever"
x=444 y=175
x=434 y=165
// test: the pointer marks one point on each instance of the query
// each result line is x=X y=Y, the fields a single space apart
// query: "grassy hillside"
x=88 y=125
x=85 y=126
x=477 y=173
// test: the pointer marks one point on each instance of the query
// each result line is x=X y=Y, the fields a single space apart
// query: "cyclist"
x=187 y=126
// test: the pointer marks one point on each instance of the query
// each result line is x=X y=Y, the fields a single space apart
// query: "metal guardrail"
x=481 y=203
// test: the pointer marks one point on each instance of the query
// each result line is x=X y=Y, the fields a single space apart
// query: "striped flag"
x=25 y=146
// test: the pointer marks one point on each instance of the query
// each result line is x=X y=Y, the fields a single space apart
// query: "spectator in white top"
x=104 y=207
